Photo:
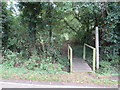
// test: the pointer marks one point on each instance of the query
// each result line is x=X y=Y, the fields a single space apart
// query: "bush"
x=106 y=68
x=31 y=64
x=50 y=68
x=115 y=61
x=44 y=64
x=109 y=59
x=11 y=59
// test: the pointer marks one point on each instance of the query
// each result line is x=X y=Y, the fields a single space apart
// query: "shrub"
x=11 y=59
x=106 y=68
x=35 y=62
x=50 y=68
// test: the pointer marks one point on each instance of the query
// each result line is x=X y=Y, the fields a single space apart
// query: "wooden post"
x=97 y=47
x=70 y=56
x=70 y=60
x=84 y=52
x=94 y=50
x=68 y=52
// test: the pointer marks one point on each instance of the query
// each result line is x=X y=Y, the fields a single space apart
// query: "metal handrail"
x=94 y=54
x=70 y=56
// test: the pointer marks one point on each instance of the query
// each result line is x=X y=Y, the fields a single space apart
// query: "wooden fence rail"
x=70 y=56
x=94 y=54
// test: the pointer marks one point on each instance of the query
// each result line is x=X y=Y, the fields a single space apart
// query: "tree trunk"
x=32 y=38
x=50 y=22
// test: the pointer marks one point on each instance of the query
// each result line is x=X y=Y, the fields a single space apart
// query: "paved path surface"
x=80 y=65
x=29 y=85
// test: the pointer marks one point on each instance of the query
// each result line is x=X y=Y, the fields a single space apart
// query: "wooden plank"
x=80 y=65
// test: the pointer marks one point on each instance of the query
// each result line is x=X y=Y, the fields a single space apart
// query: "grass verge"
x=78 y=78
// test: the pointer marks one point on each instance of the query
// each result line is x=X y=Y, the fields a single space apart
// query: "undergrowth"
x=35 y=62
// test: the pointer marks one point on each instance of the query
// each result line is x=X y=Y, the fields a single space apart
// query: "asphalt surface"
x=24 y=85
x=6 y=84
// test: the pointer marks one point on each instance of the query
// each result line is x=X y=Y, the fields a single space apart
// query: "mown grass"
x=25 y=74
x=80 y=78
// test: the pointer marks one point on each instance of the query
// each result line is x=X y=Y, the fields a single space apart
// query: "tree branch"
x=69 y=26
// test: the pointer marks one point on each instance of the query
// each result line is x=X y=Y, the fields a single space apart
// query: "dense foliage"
x=37 y=37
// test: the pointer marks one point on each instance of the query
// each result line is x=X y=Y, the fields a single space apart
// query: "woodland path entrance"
x=79 y=64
